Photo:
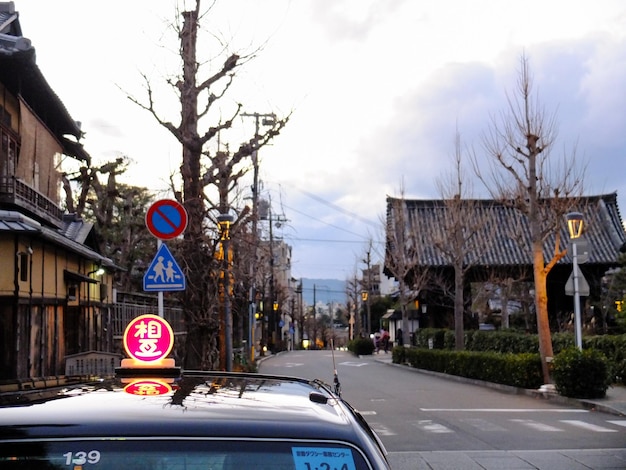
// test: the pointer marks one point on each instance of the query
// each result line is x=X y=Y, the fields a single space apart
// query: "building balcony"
x=15 y=194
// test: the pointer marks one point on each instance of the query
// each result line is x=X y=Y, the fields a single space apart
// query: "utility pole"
x=267 y=119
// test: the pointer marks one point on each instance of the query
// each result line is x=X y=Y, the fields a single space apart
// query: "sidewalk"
x=613 y=403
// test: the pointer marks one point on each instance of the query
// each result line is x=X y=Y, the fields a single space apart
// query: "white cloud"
x=377 y=89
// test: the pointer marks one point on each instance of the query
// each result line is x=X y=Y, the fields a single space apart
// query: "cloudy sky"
x=377 y=90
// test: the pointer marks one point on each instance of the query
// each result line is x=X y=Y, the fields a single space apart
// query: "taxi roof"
x=206 y=404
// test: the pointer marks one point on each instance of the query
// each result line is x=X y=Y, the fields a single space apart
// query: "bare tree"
x=353 y=295
x=460 y=225
x=518 y=145
x=198 y=96
x=118 y=211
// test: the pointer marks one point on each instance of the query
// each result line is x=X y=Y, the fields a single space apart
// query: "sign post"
x=165 y=219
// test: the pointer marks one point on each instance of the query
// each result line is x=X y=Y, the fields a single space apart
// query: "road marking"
x=430 y=426
x=619 y=423
x=536 y=426
x=378 y=399
x=367 y=413
x=587 y=426
x=509 y=410
x=353 y=364
x=293 y=364
x=381 y=429
x=483 y=425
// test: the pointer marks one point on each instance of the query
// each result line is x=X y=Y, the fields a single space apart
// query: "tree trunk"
x=459 y=335
x=541 y=306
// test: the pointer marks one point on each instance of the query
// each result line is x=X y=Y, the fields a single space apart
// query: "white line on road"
x=428 y=425
x=536 y=426
x=588 y=426
x=620 y=422
x=483 y=425
x=381 y=429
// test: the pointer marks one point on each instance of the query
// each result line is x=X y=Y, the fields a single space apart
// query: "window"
x=171 y=454
x=23 y=266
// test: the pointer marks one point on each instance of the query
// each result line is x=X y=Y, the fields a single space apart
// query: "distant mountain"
x=324 y=290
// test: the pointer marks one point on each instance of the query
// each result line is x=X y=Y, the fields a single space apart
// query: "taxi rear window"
x=173 y=454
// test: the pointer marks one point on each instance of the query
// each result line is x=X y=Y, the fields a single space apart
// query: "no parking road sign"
x=166 y=219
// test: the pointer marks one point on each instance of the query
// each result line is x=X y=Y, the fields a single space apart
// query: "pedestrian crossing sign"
x=164 y=274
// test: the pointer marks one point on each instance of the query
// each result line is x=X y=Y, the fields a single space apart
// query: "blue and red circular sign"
x=166 y=219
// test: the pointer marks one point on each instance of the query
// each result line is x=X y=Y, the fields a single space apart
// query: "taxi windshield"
x=178 y=454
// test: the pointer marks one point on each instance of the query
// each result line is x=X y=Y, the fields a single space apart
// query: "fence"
x=129 y=306
x=95 y=363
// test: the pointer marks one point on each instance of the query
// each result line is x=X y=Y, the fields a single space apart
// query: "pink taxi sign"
x=148 y=387
x=148 y=339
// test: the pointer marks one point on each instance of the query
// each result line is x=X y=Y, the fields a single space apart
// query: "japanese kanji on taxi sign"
x=148 y=340
x=147 y=387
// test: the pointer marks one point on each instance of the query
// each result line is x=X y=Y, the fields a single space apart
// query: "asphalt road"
x=427 y=421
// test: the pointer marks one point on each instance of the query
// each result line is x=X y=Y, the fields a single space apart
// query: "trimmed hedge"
x=505 y=341
x=517 y=370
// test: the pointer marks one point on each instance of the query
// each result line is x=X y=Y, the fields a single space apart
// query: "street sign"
x=582 y=250
x=164 y=274
x=583 y=285
x=166 y=219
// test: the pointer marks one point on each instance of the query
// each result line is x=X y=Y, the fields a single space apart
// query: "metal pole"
x=160 y=293
x=577 y=320
x=269 y=119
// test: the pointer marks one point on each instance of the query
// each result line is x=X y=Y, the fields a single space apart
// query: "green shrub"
x=619 y=372
x=398 y=355
x=581 y=374
x=361 y=346
x=517 y=370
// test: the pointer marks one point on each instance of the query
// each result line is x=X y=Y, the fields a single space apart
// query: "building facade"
x=55 y=288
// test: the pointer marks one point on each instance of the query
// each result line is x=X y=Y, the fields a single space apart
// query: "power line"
x=326 y=223
x=334 y=206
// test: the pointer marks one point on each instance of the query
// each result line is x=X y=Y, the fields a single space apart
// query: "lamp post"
x=365 y=297
x=575 y=227
x=224 y=221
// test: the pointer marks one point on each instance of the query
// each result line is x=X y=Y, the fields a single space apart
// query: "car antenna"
x=335 y=377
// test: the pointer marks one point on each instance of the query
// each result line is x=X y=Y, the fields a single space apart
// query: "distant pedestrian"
x=384 y=338
x=377 y=340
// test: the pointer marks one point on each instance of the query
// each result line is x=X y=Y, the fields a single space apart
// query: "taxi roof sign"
x=148 y=339
x=146 y=387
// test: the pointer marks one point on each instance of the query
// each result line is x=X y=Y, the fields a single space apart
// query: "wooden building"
x=55 y=288
x=498 y=248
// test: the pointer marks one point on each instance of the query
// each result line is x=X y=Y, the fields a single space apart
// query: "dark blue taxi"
x=159 y=417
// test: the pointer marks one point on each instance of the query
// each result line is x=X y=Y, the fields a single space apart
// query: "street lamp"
x=575 y=226
x=224 y=222
x=365 y=297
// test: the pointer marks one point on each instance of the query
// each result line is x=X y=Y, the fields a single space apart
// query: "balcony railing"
x=15 y=191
